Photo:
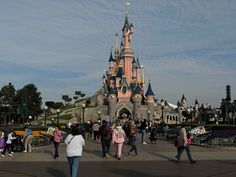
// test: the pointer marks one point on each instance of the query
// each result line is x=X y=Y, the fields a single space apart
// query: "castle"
x=124 y=82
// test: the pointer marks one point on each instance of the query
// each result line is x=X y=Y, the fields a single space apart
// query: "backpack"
x=119 y=137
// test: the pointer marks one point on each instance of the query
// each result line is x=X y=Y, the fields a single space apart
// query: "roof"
x=119 y=72
x=137 y=90
x=126 y=22
x=149 y=90
x=196 y=102
x=111 y=91
x=111 y=59
x=183 y=98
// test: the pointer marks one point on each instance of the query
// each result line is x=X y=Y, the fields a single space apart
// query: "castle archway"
x=124 y=113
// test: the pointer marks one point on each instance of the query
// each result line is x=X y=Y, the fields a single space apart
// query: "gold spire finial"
x=126 y=6
x=116 y=46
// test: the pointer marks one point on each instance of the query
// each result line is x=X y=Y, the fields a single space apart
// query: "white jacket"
x=75 y=145
x=10 y=138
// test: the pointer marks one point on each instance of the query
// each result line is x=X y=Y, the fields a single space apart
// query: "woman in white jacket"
x=75 y=143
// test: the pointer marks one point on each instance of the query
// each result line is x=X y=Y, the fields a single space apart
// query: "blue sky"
x=187 y=46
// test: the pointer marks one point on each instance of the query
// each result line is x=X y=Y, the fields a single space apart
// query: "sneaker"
x=25 y=151
x=12 y=152
x=176 y=159
x=119 y=158
x=3 y=155
x=136 y=155
x=144 y=143
x=107 y=156
x=29 y=150
x=193 y=161
x=127 y=154
x=10 y=155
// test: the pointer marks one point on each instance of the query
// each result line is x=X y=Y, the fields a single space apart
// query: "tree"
x=65 y=98
x=82 y=95
x=75 y=98
x=8 y=100
x=30 y=100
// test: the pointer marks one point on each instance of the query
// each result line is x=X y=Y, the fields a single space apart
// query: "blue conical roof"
x=111 y=57
x=126 y=22
x=149 y=90
x=183 y=98
x=119 y=72
x=137 y=90
x=111 y=91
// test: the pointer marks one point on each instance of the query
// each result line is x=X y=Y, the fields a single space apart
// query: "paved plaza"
x=155 y=160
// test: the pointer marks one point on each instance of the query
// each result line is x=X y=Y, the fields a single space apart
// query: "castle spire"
x=149 y=90
x=126 y=7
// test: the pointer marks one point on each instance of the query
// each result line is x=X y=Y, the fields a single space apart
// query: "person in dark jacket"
x=105 y=134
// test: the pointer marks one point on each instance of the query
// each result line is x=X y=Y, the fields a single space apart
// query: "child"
x=8 y=146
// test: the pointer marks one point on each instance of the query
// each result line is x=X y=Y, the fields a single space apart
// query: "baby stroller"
x=17 y=144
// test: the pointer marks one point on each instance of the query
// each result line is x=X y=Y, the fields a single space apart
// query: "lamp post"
x=58 y=112
x=30 y=118
x=162 y=117
x=191 y=114
x=45 y=115
x=205 y=114
x=162 y=108
x=149 y=112
x=99 y=115
x=83 y=107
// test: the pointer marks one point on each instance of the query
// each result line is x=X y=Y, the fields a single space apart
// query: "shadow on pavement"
x=134 y=173
x=48 y=152
x=95 y=152
x=56 y=173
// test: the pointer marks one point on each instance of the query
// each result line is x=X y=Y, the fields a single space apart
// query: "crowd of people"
x=117 y=133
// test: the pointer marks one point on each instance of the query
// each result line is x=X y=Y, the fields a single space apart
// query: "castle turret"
x=137 y=99
x=127 y=53
x=150 y=102
x=111 y=99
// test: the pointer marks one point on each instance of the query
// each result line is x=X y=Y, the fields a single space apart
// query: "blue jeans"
x=56 y=145
x=181 y=150
x=74 y=165
x=105 y=146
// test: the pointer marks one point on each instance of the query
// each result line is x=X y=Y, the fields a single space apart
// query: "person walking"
x=27 y=139
x=74 y=142
x=95 y=128
x=105 y=134
x=133 y=138
x=57 y=134
x=88 y=129
x=143 y=129
x=183 y=141
x=7 y=129
x=8 y=146
x=118 y=138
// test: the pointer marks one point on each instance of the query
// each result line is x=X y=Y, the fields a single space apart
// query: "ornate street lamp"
x=205 y=113
x=162 y=108
x=58 y=112
x=162 y=117
x=45 y=114
x=99 y=115
x=83 y=107
x=149 y=112
x=30 y=118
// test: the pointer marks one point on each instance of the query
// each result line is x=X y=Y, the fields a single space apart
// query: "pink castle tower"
x=124 y=82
